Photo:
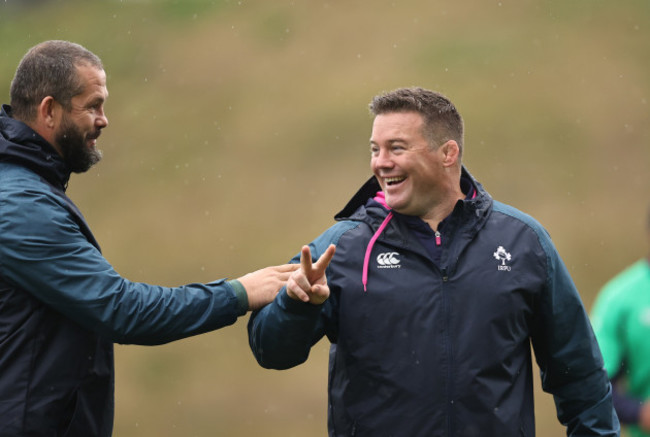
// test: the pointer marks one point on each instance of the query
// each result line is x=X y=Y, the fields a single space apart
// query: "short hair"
x=442 y=122
x=49 y=69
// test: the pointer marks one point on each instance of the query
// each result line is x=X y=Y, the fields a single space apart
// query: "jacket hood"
x=21 y=145
x=371 y=187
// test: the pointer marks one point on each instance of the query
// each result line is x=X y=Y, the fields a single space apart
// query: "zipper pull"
x=438 y=238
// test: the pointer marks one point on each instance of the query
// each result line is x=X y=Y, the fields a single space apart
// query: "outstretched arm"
x=263 y=285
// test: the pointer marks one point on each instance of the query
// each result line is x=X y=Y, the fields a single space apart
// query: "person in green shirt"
x=621 y=321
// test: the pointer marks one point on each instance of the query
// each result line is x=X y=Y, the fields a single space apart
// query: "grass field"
x=238 y=128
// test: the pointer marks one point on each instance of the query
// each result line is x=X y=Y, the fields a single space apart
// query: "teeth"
x=394 y=179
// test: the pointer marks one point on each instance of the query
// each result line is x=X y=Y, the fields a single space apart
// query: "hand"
x=644 y=417
x=309 y=283
x=263 y=285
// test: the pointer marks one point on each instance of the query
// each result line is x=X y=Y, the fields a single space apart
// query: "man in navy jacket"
x=62 y=305
x=434 y=297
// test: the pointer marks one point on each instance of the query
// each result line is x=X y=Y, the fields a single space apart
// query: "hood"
x=371 y=188
x=21 y=145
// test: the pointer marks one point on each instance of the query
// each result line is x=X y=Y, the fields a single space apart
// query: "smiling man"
x=433 y=299
x=62 y=305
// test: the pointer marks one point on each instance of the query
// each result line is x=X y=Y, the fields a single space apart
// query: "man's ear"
x=450 y=153
x=48 y=117
x=48 y=112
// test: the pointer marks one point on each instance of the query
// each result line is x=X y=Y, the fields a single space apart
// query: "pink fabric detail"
x=381 y=198
x=366 y=259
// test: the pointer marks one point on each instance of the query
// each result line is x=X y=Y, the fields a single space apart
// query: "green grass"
x=238 y=128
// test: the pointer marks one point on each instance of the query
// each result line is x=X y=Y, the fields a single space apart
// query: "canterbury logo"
x=388 y=260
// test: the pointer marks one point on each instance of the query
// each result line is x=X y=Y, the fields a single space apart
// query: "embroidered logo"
x=502 y=255
x=388 y=260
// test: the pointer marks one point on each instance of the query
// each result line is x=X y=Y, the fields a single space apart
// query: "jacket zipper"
x=448 y=352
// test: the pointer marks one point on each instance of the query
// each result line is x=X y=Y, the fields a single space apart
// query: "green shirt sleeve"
x=242 y=297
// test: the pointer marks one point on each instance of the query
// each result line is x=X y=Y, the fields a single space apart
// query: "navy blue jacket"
x=443 y=349
x=62 y=305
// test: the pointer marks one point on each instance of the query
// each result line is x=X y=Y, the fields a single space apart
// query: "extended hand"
x=309 y=283
x=263 y=285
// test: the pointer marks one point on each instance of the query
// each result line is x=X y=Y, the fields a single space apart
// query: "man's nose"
x=102 y=121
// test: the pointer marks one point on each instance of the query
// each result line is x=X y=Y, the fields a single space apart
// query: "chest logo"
x=388 y=260
x=502 y=255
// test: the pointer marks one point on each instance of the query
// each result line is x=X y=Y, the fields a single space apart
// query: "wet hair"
x=442 y=122
x=49 y=69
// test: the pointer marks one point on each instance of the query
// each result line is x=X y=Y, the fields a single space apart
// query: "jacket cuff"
x=298 y=307
x=242 y=296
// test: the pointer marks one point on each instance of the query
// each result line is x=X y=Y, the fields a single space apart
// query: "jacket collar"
x=21 y=145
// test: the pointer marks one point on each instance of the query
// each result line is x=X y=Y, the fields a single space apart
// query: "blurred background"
x=239 y=128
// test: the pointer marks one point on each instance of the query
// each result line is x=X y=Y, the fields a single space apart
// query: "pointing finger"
x=286 y=268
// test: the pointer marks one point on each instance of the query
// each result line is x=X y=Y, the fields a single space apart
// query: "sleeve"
x=43 y=251
x=282 y=333
x=568 y=355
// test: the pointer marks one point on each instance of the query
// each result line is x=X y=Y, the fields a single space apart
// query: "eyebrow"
x=97 y=99
x=390 y=142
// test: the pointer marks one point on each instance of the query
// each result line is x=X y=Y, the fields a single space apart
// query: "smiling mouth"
x=394 y=180
x=92 y=139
